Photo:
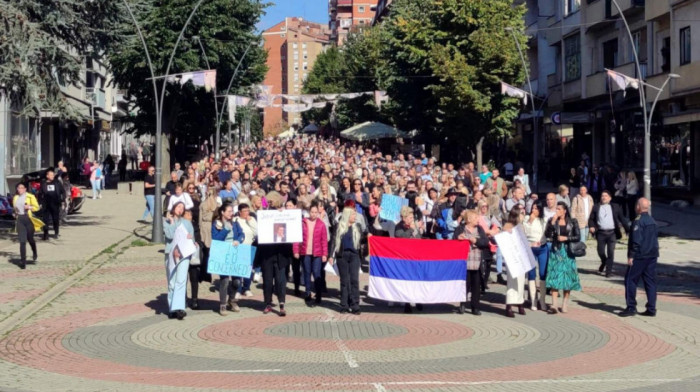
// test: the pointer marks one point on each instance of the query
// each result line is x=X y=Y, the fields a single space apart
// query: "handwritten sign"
x=283 y=227
x=391 y=207
x=516 y=251
x=228 y=260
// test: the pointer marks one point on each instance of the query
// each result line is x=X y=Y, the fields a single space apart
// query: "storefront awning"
x=682 y=118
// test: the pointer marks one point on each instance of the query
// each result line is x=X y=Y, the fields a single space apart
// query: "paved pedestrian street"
x=90 y=316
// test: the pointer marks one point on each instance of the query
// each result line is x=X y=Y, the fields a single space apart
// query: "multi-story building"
x=348 y=14
x=29 y=144
x=293 y=46
x=572 y=43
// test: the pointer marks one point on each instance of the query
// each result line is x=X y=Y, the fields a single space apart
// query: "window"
x=666 y=55
x=21 y=154
x=303 y=45
x=361 y=9
x=296 y=56
x=639 y=41
x=295 y=45
x=610 y=53
x=362 y=21
x=296 y=77
x=306 y=65
x=296 y=67
x=572 y=6
x=284 y=35
x=685 y=45
x=572 y=57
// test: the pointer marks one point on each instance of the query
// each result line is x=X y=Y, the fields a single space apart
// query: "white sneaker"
x=248 y=293
x=237 y=296
x=257 y=278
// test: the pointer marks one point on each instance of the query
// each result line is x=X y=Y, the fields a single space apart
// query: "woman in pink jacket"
x=313 y=251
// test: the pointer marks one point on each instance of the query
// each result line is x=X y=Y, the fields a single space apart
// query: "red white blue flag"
x=418 y=271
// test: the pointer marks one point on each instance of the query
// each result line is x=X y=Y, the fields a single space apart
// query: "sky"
x=313 y=10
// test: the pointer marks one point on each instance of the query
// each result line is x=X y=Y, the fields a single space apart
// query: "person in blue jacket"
x=223 y=228
x=642 y=256
x=445 y=217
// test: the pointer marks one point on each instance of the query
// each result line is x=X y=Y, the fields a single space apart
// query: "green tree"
x=355 y=68
x=225 y=28
x=445 y=59
x=43 y=44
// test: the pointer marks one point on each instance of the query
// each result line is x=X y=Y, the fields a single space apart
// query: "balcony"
x=625 y=5
x=95 y=96
x=656 y=8
x=596 y=84
x=657 y=81
x=344 y=3
x=594 y=14
x=689 y=79
x=571 y=90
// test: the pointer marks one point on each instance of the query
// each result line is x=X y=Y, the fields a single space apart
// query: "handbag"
x=196 y=258
x=574 y=249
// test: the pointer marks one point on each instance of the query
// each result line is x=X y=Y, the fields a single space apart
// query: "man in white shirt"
x=551 y=208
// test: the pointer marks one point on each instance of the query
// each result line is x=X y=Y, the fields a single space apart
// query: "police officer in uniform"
x=642 y=255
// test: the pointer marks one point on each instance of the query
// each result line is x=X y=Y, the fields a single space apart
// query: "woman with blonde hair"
x=470 y=230
x=207 y=209
x=346 y=251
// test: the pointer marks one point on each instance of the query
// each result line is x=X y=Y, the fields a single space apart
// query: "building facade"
x=345 y=15
x=30 y=144
x=572 y=43
x=293 y=46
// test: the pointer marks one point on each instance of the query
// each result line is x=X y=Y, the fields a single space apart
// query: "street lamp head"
x=674 y=76
x=195 y=38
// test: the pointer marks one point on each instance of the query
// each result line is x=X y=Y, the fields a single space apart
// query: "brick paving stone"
x=107 y=332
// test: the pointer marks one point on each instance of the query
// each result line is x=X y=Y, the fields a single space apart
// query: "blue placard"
x=228 y=260
x=391 y=207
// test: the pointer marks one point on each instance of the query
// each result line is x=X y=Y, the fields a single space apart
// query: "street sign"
x=556 y=118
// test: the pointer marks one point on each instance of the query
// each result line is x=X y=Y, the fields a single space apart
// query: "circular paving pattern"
x=343 y=329
x=324 y=350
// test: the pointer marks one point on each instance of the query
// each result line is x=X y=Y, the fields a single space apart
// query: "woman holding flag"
x=346 y=250
x=470 y=231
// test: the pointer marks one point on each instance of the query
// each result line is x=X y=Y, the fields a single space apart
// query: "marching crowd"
x=339 y=188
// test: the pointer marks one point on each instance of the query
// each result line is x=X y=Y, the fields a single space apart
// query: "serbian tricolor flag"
x=418 y=271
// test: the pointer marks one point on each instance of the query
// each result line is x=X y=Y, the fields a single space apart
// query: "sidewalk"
x=99 y=224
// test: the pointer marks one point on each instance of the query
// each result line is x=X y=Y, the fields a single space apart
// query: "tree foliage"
x=225 y=29
x=352 y=68
x=446 y=60
x=43 y=44
x=440 y=62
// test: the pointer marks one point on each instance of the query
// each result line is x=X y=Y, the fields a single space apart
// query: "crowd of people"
x=339 y=189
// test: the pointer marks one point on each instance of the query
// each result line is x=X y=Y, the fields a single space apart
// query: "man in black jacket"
x=605 y=223
x=642 y=256
x=53 y=195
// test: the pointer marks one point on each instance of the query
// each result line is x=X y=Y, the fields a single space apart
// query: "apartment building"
x=29 y=144
x=293 y=46
x=572 y=43
x=345 y=15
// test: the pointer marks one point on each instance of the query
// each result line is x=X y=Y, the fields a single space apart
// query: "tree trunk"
x=479 y=153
